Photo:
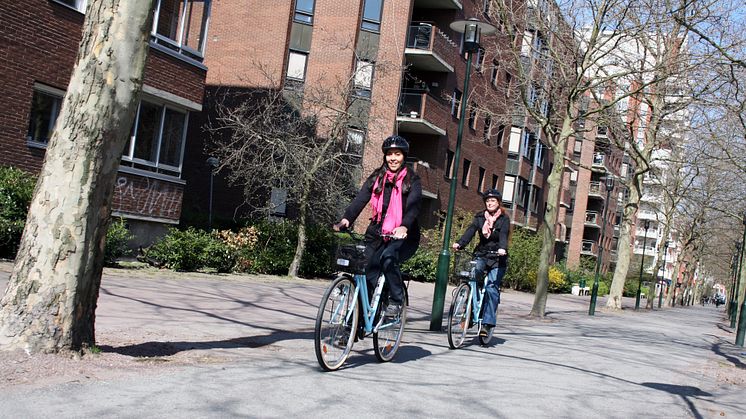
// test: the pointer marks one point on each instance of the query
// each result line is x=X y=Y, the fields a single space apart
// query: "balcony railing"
x=589 y=247
x=418 y=111
x=595 y=189
x=592 y=218
x=430 y=49
x=599 y=159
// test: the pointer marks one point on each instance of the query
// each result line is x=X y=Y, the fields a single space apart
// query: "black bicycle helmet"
x=492 y=193
x=395 y=141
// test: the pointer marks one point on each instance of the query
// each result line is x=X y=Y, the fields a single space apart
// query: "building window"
x=466 y=171
x=181 y=26
x=372 y=11
x=78 y=5
x=45 y=107
x=304 y=11
x=487 y=131
x=363 y=79
x=355 y=141
x=508 y=188
x=500 y=135
x=157 y=139
x=473 y=111
x=456 y=104
x=494 y=73
x=480 y=183
x=535 y=198
x=514 y=146
x=297 y=65
x=480 y=59
x=449 y=164
x=494 y=181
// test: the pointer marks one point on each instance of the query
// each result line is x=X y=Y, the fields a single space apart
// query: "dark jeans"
x=492 y=291
x=386 y=257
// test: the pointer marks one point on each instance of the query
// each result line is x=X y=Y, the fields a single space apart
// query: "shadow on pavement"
x=685 y=392
x=159 y=349
x=718 y=349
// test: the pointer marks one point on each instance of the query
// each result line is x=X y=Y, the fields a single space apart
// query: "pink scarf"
x=489 y=221
x=393 y=216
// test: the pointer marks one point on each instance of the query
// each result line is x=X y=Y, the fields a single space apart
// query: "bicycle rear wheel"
x=459 y=315
x=336 y=323
x=388 y=337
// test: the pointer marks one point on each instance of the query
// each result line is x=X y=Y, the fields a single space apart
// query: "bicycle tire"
x=386 y=341
x=459 y=316
x=331 y=344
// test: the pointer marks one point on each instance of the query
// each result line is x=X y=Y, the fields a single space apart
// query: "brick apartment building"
x=407 y=65
x=39 y=44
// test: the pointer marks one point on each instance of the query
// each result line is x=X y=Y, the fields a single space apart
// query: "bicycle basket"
x=350 y=257
x=463 y=265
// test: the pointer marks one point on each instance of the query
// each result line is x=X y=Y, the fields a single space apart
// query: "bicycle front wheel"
x=459 y=316
x=388 y=337
x=336 y=323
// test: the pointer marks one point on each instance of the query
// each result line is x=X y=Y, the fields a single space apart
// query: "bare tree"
x=50 y=302
x=266 y=141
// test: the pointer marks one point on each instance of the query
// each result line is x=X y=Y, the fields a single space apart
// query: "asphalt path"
x=251 y=342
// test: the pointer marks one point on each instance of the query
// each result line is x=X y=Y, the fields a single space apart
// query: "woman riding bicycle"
x=493 y=226
x=394 y=192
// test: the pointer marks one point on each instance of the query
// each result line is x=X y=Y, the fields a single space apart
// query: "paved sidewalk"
x=223 y=346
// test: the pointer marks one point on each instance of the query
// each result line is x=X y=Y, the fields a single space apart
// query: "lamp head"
x=471 y=29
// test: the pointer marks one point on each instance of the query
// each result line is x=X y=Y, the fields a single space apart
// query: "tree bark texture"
x=624 y=252
x=50 y=302
x=554 y=185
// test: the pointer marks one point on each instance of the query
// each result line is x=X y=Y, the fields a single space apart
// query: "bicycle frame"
x=368 y=307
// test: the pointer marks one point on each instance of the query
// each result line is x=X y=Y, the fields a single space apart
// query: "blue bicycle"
x=345 y=302
x=466 y=307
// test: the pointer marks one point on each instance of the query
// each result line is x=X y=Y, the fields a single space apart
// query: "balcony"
x=429 y=178
x=596 y=190
x=438 y=4
x=649 y=250
x=592 y=219
x=646 y=215
x=418 y=110
x=589 y=247
x=429 y=49
x=599 y=160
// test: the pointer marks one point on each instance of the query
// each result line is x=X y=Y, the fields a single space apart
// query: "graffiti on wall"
x=147 y=197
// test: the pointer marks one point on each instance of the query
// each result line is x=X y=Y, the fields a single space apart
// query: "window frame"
x=448 y=172
x=466 y=173
x=480 y=182
x=456 y=103
x=305 y=65
x=302 y=12
x=80 y=5
x=177 y=45
x=58 y=95
x=156 y=165
x=367 y=23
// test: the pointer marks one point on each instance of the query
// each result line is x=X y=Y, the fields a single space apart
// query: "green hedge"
x=116 y=246
x=16 y=191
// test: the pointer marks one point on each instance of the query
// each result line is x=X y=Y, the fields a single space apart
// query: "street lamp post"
x=741 y=330
x=471 y=29
x=212 y=163
x=642 y=263
x=660 y=293
x=594 y=291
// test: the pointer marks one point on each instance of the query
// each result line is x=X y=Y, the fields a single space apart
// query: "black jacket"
x=498 y=237
x=411 y=196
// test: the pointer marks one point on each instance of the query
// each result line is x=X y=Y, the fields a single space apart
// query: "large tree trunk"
x=624 y=252
x=50 y=301
x=554 y=184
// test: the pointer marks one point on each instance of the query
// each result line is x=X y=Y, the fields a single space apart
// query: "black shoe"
x=485 y=330
x=392 y=310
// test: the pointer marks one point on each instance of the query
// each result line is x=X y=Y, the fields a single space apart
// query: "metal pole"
x=444 y=259
x=594 y=291
x=209 y=208
x=642 y=263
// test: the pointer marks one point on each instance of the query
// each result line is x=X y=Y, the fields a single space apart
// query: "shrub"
x=523 y=261
x=422 y=266
x=16 y=191
x=242 y=243
x=116 y=246
x=320 y=246
x=557 y=280
x=219 y=255
x=181 y=250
